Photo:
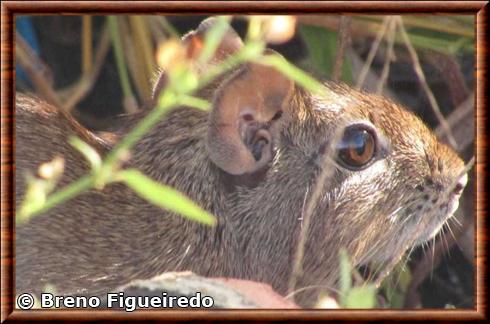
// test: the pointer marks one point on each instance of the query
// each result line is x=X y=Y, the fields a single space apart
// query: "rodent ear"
x=193 y=43
x=249 y=111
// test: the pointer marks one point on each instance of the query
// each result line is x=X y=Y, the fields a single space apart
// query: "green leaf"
x=361 y=297
x=395 y=285
x=345 y=274
x=405 y=277
x=164 y=196
x=321 y=45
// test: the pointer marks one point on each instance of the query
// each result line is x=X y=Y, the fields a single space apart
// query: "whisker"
x=296 y=291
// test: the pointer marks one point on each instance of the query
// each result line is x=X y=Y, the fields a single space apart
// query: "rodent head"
x=390 y=185
x=391 y=182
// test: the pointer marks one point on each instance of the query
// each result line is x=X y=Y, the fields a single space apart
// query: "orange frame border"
x=11 y=8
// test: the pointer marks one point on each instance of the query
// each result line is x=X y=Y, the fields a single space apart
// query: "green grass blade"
x=165 y=197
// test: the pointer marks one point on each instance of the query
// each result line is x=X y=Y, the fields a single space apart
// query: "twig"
x=326 y=173
x=86 y=44
x=389 y=55
x=158 y=33
x=141 y=37
x=342 y=40
x=136 y=66
x=75 y=93
x=461 y=121
x=421 y=76
x=34 y=68
x=119 y=55
x=372 y=53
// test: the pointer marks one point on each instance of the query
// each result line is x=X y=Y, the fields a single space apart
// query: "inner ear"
x=249 y=111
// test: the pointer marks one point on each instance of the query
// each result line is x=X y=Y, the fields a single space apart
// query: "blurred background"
x=97 y=70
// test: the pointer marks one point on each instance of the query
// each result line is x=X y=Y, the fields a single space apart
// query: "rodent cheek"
x=374 y=172
x=367 y=188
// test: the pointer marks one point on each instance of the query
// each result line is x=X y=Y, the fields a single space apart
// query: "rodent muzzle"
x=458 y=189
x=441 y=206
x=460 y=185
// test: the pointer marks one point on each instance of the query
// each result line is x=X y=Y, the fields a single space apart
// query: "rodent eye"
x=357 y=147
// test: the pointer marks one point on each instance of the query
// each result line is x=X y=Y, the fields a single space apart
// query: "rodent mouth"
x=417 y=234
x=440 y=220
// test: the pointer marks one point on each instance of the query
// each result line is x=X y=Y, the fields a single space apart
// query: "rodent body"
x=103 y=239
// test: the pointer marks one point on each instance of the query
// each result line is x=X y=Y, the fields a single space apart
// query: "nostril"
x=458 y=189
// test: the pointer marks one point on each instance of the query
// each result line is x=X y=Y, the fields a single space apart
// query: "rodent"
x=253 y=162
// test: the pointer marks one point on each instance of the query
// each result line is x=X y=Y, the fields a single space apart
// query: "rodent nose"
x=458 y=189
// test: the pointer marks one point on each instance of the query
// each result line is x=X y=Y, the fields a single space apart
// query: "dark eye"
x=357 y=147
